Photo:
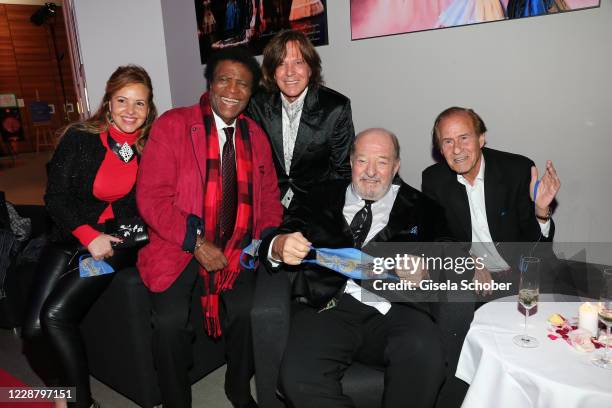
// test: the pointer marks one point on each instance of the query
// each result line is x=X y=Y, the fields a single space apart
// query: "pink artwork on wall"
x=374 y=18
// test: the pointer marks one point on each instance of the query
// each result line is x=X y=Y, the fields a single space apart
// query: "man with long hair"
x=309 y=125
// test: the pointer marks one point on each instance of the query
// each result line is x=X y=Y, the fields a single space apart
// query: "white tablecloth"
x=553 y=375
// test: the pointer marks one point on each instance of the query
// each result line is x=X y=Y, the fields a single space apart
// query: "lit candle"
x=587 y=318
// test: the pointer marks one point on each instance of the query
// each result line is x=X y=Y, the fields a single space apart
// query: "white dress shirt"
x=381 y=210
x=482 y=242
x=291 y=115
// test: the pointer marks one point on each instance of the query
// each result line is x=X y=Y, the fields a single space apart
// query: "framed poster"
x=229 y=23
x=375 y=18
x=40 y=112
x=8 y=100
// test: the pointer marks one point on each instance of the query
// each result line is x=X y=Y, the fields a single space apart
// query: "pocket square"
x=414 y=230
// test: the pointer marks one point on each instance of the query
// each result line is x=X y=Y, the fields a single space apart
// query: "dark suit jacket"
x=319 y=218
x=323 y=142
x=510 y=211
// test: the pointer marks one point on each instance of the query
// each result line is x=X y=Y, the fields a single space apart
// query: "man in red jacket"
x=207 y=188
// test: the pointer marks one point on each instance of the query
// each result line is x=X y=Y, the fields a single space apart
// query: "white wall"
x=543 y=86
x=119 y=32
x=185 y=72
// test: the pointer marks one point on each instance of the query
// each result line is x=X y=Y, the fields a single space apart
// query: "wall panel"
x=28 y=65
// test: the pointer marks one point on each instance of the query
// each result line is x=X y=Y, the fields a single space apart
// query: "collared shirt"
x=381 y=210
x=291 y=115
x=220 y=125
x=482 y=242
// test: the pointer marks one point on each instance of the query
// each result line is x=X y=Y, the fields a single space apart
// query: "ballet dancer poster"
x=374 y=18
x=229 y=23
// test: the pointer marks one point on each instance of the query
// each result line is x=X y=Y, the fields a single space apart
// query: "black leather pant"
x=59 y=301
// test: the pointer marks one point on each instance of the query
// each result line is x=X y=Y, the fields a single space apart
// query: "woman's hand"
x=100 y=247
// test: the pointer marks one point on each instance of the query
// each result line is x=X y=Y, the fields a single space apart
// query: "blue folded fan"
x=350 y=262
x=90 y=267
x=250 y=251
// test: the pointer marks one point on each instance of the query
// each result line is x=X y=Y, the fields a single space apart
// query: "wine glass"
x=529 y=291
x=605 y=316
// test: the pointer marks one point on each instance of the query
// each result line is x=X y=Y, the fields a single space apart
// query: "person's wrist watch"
x=546 y=217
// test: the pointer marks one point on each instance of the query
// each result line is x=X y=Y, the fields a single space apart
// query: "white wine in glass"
x=605 y=316
x=529 y=292
x=528 y=298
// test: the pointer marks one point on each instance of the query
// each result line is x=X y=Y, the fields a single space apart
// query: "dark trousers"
x=59 y=301
x=321 y=346
x=173 y=337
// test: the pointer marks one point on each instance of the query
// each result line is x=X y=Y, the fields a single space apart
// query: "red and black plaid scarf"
x=219 y=281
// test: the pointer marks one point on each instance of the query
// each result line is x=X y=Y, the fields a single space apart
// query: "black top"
x=323 y=142
x=71 y=173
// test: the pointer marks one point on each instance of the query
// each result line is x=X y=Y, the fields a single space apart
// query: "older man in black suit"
x=335 y=323
x=486 y=192
x=486 y=198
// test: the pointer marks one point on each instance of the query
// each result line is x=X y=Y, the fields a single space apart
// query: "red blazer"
x=170 y=187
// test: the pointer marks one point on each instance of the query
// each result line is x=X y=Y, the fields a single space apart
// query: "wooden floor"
x=24 y=179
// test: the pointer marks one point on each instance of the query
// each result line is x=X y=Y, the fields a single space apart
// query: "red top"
x=114 y=179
